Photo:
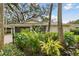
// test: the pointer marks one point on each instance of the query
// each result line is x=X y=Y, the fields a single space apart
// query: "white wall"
x=55 y=29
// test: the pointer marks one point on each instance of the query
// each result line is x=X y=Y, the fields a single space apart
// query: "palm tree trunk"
x=1 y=27
x=50 y=12
x=60 y=26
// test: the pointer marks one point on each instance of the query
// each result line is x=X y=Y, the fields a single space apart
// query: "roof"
x=32 y=24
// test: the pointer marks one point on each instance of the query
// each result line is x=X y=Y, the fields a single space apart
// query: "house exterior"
x=29 y=25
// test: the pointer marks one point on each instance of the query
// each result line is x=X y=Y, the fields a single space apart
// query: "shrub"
x=51 y=47
x=76 y=52
x=39 y=28
x=10 y=50
x=20 y=40
x=77 y=38
x=51 y=35
x=29 y=42
x=69 y=38
x=36 y=43
x=76 y=31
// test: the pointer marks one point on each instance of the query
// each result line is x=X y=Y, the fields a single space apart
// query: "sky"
x=70 y=12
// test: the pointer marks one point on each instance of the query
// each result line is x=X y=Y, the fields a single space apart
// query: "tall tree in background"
x=60 y=26
x=19 y=13
x=1 y=27
x=50 y=12
x=13 y=12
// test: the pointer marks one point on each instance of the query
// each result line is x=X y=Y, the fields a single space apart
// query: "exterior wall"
x=73 y=26
x=66 y=29
x=55 y=29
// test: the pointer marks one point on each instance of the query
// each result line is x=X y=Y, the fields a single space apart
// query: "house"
x=29 y=25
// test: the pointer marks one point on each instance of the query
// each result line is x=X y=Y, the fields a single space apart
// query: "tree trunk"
x=50 y=12
x=60 y=26
x=1 y=27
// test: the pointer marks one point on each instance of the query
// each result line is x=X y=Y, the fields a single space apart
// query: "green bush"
x=51 y=48
x=36 y=43
x=11 y=50
x=69 y=38
x=29 y=42
x=76 y=52
x=51 y=35
x=77 y=38
x=76 y=31
x=39 y=28
x=20 y=40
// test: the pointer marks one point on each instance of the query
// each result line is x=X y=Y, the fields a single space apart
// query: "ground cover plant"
x=11 y=50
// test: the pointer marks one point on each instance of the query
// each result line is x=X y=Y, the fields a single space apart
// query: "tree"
x=74 y=22
x=1 y=26
x=22 y=12
x=13 y=13
x=60 y=27
x=50 y=12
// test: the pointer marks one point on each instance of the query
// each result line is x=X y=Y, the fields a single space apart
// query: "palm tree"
x=60 y=27
x=50 y=12
x=1 y=27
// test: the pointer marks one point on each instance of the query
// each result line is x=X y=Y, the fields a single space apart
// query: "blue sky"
x=70 y=12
